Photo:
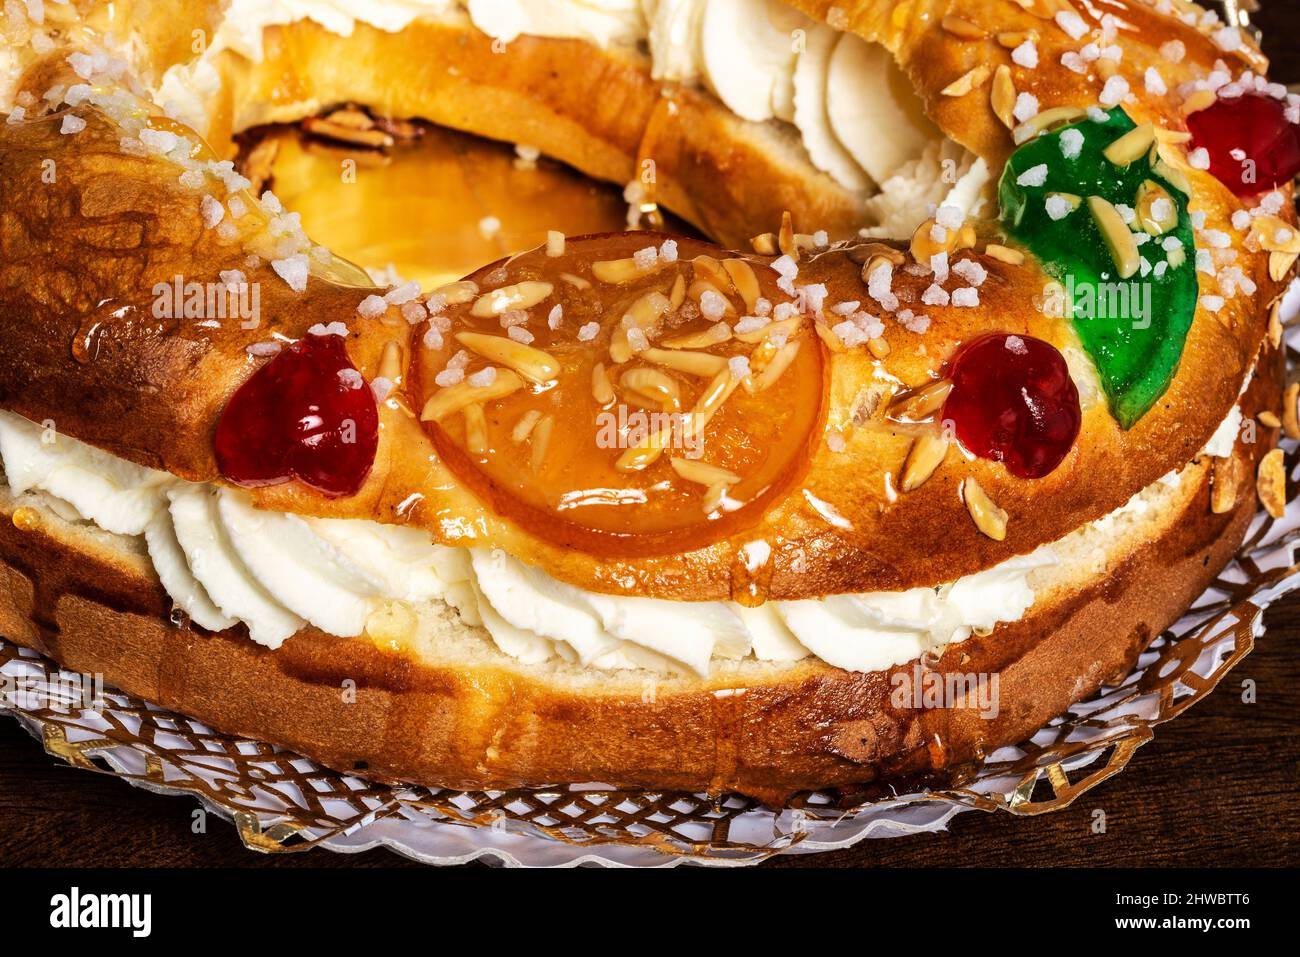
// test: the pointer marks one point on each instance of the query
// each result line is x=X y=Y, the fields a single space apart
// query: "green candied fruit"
x=1133 y=327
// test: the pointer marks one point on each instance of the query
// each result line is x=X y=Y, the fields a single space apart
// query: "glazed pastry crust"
x=473 y=724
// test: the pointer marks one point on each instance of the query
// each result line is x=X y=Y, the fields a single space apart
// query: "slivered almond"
x=717 y=333
x=1279 y=264
x=1174 y=176
x=743 y=278
x=878 y=347
x=1132 y=146
x=476 y=439
x=529 y=362
x=390 y=363
x=1275 y=325
x=923 y=245
x=453 y=398
x=524 y=427
x=659 y=386
x=774 y=369
x=868 y=252
x=1290 y=411
x=1117 y=236
x=577 y=282
x=701 y=364
x=968 y=81
x=1147 y=196
x=925 y=455
x=711 y=399
x=988 y=518
x=644 y=313
x=711 y=271
x=787 y=327
x=1198 y=100
x=618 y=271
x=457 y=293
x=699 y=287
x=1004 y=254
x=541 y=442
x=602 y=390
x=645 y=453
x=828 y=338
x=677 y=295
x=785 y=238
x=1225 y=484
x=554 y=243
x=962 y=28
x=1003 y=96
x=764 y=244
x=923 y=402
x=1010 y=39
x=1043 y=122
x=713 y=498
x=1269 y=419
x=521 y=295
x=1270 y=483
x=1275 y=234
x=348 y=126
x=702 y=473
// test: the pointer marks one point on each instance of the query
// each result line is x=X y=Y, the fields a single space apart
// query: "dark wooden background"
x=1220 y=786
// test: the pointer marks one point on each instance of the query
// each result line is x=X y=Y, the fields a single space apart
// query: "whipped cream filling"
x=224 y=562
x=855 y=111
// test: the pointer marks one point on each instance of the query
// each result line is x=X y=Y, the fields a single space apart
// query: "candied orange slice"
x=625 y=393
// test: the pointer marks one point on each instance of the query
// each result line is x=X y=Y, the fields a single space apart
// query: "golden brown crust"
x=803 y=726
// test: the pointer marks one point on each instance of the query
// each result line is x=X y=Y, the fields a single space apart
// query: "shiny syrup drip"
x=1251 y=144
x=1013 y=401
x=307 y=415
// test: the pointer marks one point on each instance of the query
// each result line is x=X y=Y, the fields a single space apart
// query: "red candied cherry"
x=1251 y=144
x=306 y=414
x=1013 y=401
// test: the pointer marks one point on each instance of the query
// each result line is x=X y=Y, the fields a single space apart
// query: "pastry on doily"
x=965 y=378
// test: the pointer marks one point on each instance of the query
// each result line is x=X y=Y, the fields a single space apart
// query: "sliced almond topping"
x=1270 y=483
x=1010 y=39
x=1004 y=254
x=521 y=295
x=774 y=369
x=645 y=453
x=554 y=243
x=602 y=389
x=677 y=295
x=711 y=400
x=453 y=398
x=699 y=287
x=1132 y=146
x=1269 y=418
x=869 y=252
x=925 y=455
x=644 y=313
x=1003 y=96
x=714 y=497
x=878 y=347
x=1070 y=198
x=524 y=427
x=712 y=272
x=1198 y=100
x=457 y=293
x=1225 y=484
x=1290 y=412
x=923 y=402
x=348 y=126
x=717 y=333
x=529 y=362
x=1156 y=211
x=577 y=282
x=743 y=278
x=541 y=442
x=658 y=386
x=962 y=28
x=619 y=271
x=702 y=473
x=1045 y=120
x=968 y=81
x=1176 y=178
x=764 y=244
x=476 y=437
x=786 y=327
x=828 y=338
x=924 y=245
x=1275 y=234
x=1275 y=325
x=785 y=238
x=1117 y=236
x=1279 y=264
x=988 y=518
x=390 y=363
x=701 y=364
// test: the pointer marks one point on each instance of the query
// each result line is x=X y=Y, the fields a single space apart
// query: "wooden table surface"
x=1219 y=786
